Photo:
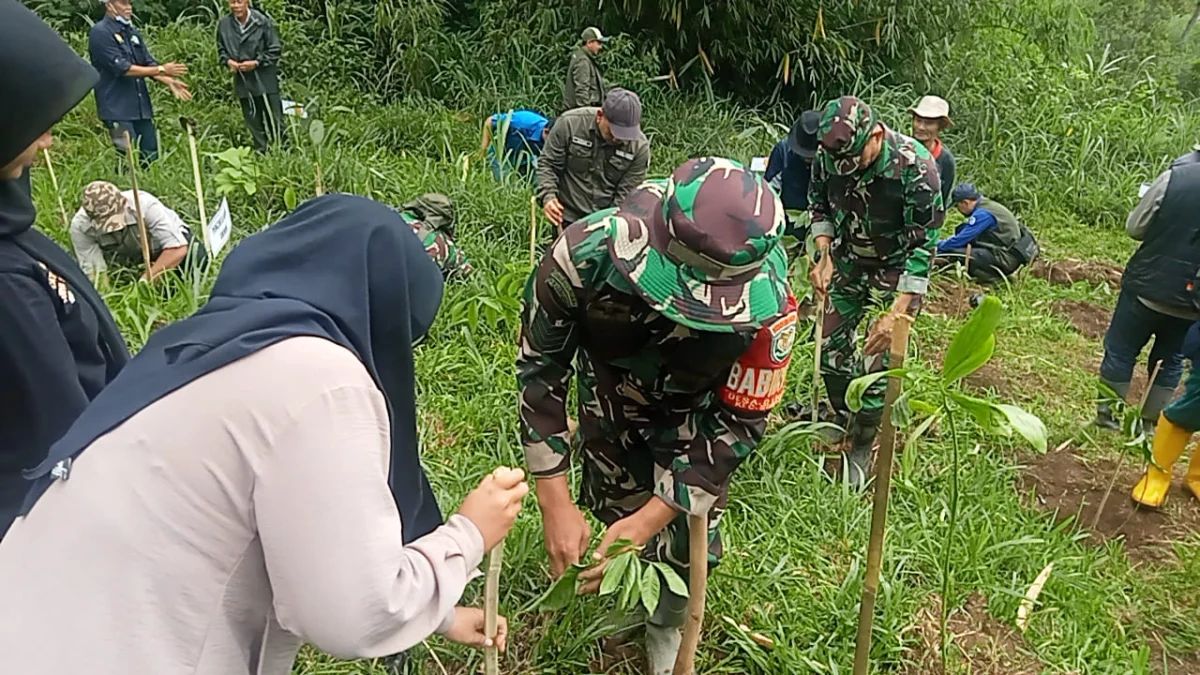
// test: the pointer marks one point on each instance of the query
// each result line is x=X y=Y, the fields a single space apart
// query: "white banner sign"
x=294 y=109
x=216 y=233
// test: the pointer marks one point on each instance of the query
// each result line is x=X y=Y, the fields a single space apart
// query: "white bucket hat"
x=932 y=107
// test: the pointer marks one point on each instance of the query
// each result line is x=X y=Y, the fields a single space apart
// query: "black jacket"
x=59 y=345
x=259 y=42
x=1164 y=267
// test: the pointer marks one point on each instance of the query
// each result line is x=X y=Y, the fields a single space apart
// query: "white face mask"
x=121 y=19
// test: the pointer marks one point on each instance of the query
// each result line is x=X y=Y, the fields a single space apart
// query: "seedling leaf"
x=614 y=573
x=674 y=582
x=650 y=589
x=974 y=343
x=858 y=387
x=1026 y=424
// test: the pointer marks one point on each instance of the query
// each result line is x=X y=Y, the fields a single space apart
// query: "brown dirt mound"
x=985 y=645
x=990 y=376
x=949 y=299
x=1090 y=320
x=1069 y=270
x=1070 y=486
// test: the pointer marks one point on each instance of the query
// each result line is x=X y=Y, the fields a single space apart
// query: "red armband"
x=759 y=378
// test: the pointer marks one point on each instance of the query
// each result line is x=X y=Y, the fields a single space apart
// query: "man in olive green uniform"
x=585 y=85
x=673 y=313
x=593 y=158
x=876 y=204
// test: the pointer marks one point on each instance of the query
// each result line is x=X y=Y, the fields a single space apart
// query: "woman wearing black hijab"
x=251 y=480
x=59 y=345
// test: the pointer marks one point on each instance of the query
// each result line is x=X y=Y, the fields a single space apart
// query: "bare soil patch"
x=1069 y=270
x=990 y=376
x=1071 y=487
x=1090 y=320
x=984 y=645
x=949 y=300
x=1176 y=663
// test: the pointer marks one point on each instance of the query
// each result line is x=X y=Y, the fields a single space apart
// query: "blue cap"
x=963 y=191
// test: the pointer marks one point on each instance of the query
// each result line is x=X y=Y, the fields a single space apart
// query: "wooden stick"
x=818 y=338
x=491 y=608
x=320 y=183
x=967 y=261
x=883 y=485
x=62 y=210
x=532 y=231
x=685 y=662
x=191 y=132
x=137 y=204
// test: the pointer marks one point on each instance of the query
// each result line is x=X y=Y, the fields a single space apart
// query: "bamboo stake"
x=190 y=127
x=491 y=608
x=967 y=261
x=532 y=231
x=320 y=183
x=818 y=338
x=137 y=204
x=1121 y=463
x=697 y=587
x=62 y=210
x=883 y=485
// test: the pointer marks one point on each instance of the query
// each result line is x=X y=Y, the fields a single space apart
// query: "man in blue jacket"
x=789 y=168
x=119 y=52
x=996 y=244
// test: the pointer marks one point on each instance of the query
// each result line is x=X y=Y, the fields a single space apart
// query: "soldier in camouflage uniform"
x=674 y=313
x=876 y=206
x=431 y=217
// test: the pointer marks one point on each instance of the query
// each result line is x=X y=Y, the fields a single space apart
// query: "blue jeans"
x=1132 y=326
x=141 y=132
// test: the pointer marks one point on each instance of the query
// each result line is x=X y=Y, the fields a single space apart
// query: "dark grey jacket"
x=258 y=42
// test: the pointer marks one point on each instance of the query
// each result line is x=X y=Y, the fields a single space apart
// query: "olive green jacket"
x=585 y=85
x=583 y=170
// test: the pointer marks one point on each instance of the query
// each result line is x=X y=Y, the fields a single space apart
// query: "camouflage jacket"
x=890 y=213
x=585 y=171
x=674 y=386
x=448 y=256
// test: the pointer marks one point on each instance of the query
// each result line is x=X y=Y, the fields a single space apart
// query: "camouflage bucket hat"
x=105 y=206
x=435 y=210
x=846 y=127
x=703 y=247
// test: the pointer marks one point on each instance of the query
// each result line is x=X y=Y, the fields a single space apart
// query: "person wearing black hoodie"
x=59 y=345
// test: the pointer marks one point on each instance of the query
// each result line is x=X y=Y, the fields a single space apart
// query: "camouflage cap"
x=846 y=127
x=105 y=206
x=435 y=210
x=703 y=247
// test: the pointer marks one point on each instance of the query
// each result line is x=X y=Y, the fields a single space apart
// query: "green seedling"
x=943 y=398
x=633 y=582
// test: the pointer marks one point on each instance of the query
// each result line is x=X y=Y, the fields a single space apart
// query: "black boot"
x=863 y=430
x=1105 y=418
x=1156 y=400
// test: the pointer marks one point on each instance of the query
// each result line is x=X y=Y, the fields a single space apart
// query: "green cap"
x=703 y=247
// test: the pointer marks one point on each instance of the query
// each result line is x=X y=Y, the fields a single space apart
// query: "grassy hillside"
x=1065 y=143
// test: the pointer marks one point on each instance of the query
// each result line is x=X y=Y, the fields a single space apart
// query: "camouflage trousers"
x=620 y=467
x=857 y=288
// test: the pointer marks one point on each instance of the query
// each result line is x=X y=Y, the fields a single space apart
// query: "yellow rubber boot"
x=1169 y=442
x=1192 y=479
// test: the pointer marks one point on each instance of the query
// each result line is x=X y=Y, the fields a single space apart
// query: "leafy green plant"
x=971 y=347
x=632 y=581
x=238 y=171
